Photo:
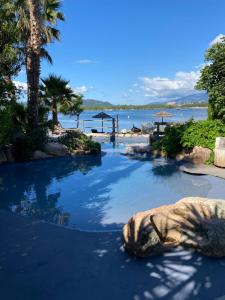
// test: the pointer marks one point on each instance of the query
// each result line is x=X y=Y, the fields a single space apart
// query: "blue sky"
x=134 y=51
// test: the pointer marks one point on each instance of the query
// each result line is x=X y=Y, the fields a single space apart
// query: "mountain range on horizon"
x=96 y=103
x=193 y=98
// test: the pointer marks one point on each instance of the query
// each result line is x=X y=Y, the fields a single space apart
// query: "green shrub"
x=92 y=146
x=14 y=130
x=170 y=144
x=186 y=137
x=211 y=159
x=202 y=133
x=76 y=140
x=13 y=123
x=26 y=144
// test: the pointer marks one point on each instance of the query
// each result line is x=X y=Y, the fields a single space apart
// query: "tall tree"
x=55 y=91
x=33 y=60
x=212 y=80
x=37 y=20
x=10 y=57
x=74 y=108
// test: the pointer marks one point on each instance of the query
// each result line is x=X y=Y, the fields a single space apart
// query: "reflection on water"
x=195 y=186
x=98 y=193
x=24 y=188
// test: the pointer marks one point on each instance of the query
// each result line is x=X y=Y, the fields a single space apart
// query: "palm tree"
x=75 y=108
x=33 y=60
x=55 y=91
x=36 y=20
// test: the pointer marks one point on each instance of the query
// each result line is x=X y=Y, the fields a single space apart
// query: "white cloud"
x=125 y=95
x=217 y=39
x=85 y=61
x=80 y=89
x=163 y=88
x=170 y=88
x=20 y=85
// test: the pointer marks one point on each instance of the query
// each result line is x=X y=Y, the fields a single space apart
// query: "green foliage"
x=202 y=133
x=171 y=144
x=13 y=122
x=211 y=159
x=212 y=80
x=28 y=142
x=15 y=130
x=144 y=107
x=55 y=91
x=75 y=140
x=187 y=136
x=7 y=92
x=14 y=37
x=92 y=146
x=10 y=55
x=74 y=107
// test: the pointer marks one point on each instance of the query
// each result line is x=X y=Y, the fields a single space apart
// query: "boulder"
x=55 y=149
x=196 y=223
x=219 y=152
x=58 y=129
x=40 y=155
x=138 y=149
x=199 y=155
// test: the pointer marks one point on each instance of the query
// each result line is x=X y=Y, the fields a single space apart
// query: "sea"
x=129 y=118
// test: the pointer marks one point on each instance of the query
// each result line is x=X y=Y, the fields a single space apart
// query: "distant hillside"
x=96 y=103
x=195 y=98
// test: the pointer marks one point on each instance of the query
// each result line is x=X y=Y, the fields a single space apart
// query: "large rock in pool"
x=40 y=155
x=55 y=149
x=196 y=223
x=138 y=149
x=199 y=155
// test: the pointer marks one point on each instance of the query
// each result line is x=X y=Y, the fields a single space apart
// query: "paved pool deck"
x=201 y=169
x=41 y=261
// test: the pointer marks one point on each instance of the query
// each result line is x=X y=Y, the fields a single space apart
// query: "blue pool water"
x=98 y=192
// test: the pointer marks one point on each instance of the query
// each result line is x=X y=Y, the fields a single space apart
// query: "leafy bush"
x=202 y=133
x=92 y=146
x=30 y=141
x=187 y=136
x=14 y=130
x=211 y=159
x=12 y=123
x=76 y=140
x=171 y=144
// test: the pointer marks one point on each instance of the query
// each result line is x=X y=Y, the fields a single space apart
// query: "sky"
x=134 y=51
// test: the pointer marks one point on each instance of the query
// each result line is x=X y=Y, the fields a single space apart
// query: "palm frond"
x=46 y=55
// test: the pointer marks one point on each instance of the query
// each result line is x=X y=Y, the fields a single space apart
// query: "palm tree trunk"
x=33 y=61
x=55 y=113
x=78 y=120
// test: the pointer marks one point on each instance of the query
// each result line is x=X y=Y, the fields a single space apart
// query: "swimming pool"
x=98 y=193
